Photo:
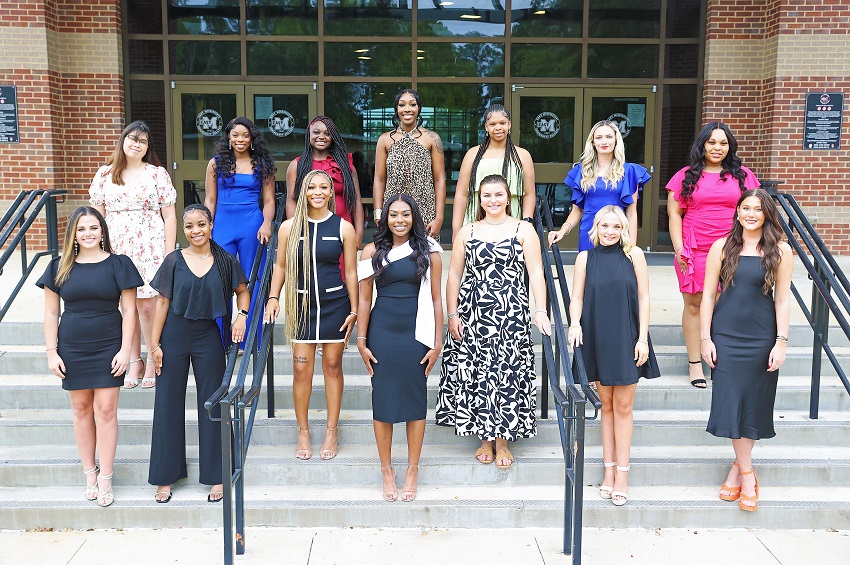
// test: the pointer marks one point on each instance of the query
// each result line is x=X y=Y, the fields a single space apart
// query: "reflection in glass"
x=547 y=128
x=147 y=102
x=679 y=124
x=204 y=57
x=145 y=56
x=681 y=61
x=541 y=60
x=203 y=17
x=684 y=18
x=282 y=119
x=629 y=113
x=546 y=18
x=622 y=61
x=386 y=18
x=202 y=118
x=283 y=58
x=474 y=18
x=367 y=59
x=461 y=59
x=281 y=17
x=625 y=18
x=144 y=16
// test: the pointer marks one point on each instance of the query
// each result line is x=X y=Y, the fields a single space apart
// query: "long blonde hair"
x=590 y=162
x=297 y=304
x=69 y=250
x=625 y=241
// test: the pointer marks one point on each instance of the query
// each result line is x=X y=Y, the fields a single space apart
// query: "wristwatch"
x=377 y=215
x=529 y=219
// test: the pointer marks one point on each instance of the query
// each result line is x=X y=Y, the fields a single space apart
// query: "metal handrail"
x=571 y=400
x=827 y=278
x=20 y=217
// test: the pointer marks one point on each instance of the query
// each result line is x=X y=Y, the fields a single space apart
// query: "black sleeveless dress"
x=610 y=320
x=743 y=330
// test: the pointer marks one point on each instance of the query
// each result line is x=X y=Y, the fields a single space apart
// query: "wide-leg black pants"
x=185 y=340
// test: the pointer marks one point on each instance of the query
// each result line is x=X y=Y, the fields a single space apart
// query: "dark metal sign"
x=823 y=120
x=9 y=115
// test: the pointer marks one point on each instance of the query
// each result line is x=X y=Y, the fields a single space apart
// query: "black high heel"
x=698 y=383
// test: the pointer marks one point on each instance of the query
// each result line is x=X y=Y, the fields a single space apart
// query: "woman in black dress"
x=609 y=311
x=196 y=286
x=406 y=268
x=90 y=349
x=745 y=333
x=319 y=306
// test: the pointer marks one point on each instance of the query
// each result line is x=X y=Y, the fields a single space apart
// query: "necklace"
x=204 y=256
x=496 y=223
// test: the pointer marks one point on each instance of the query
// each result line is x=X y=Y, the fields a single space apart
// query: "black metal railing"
x=830 y=289
x=17 y=220
x=571 y=400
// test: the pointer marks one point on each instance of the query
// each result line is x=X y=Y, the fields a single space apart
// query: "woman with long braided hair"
x=320 y=307
x=196 y=286
x=324 y=150
x=497 y=155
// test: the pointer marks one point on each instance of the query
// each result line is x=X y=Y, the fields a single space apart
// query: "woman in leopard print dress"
x=409 y=160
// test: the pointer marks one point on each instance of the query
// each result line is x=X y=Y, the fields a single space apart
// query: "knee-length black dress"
x=610 y=320
x=399 y=385
x=90 y=326
x=743 y=330
x=329 y=302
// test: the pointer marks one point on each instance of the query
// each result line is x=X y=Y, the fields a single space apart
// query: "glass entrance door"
x=201 y=112
x=554 y=123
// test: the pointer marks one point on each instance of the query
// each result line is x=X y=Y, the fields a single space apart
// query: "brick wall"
x=762 y=57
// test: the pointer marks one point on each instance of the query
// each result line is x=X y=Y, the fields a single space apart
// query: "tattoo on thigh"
x=300 y=359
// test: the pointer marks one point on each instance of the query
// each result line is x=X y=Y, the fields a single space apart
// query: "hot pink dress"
x=708 y=217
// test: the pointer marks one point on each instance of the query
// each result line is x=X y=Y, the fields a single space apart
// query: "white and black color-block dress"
x=329 y=302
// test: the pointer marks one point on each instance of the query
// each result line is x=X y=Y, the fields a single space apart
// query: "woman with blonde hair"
x=90 y=348
x=609 y=314
x=320 y=308
x=601 y=178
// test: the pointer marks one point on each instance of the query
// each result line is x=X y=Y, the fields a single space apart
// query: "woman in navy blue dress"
x=239 y=191
x=602 y=178
x=319 y=306
x=405 y=266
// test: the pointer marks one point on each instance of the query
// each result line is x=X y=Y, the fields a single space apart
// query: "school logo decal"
x=623 y=124
x=547 y=125
x=281 y=123
x=209 y=123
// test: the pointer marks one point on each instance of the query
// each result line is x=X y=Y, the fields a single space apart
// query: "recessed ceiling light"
x=420 y=50
x=539 y=12
x=446 y=3
x=471 y=16
x=365 y=58
x=420 y=57
x=361 y=50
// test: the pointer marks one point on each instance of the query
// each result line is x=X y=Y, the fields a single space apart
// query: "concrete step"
x=45 y=392
x=503 y=506
x=664 y=427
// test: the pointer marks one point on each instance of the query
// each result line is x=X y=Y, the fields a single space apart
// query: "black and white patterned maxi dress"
x=487 y=379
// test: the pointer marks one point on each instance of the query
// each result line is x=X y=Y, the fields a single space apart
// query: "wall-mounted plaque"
x=9 y=115
x=823 y=120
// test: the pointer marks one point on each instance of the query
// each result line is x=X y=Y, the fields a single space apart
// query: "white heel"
x=605 y=490
x=619 y=498
x=91 y=488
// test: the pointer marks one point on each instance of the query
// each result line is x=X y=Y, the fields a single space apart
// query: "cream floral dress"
x=136 y=227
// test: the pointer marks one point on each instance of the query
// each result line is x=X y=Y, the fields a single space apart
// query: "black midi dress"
x=610 y=320
x=90 y=326
x=743 y=330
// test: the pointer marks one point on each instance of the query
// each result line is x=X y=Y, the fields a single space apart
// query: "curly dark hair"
x=383 y=239
x=261 y=158
x=339 y=154
x=696 y=159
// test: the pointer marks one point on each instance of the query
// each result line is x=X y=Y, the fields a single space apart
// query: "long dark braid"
x=511 y=156
x=696 y=160
x=222 y=260
x=262 y=162
x=339 y=154
x=383 y=239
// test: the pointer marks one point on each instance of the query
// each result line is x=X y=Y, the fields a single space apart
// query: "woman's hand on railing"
x=574 y=336
x=555 y=236
x=237 y=329
x=367 y=356
x=55 y=364
x=430 y=360
x=455 y=327
x=541 y=320
x=264 y=234
x=272 y=310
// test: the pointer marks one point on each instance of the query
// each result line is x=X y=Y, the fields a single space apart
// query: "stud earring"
x=230 y=145
x=76 y=247
x=102 y=243
x=252 y=146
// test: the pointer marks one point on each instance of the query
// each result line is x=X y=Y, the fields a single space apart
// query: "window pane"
x=625 y=18
x=547 y=128
x=461 y=59
x=147 y=102
x=145 y=56
x=546 y=18
x=678 y=122
x=144 y=16
x=681 y=61
x=683 y=18
x=622 y=61
x=540 y=60
x=619 y=110
x=204 y=57
x=367 y=59
x=283 y=58
x=214 y=111
x=387 y=18
x=282 y=17
x=476 y=18
x=282 y=119
x=202 y=17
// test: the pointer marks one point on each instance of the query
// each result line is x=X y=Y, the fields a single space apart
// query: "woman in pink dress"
x=135 y=196
x=701 y=203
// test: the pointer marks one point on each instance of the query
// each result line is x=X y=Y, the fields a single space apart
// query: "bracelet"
x=274 y=297
x=677 y=251
x=540 y=310
x=574 y=326
x=452 y=315
x=782 y=338
x=352 y=313
x=361 y=337
x=157 y=347
x=569 y=227
x=643 y=341
x=705 y=339
x=50 y=348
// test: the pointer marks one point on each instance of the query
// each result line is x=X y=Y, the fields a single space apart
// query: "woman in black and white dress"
x=319 y=306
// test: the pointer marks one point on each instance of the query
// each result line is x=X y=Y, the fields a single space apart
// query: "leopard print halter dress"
x=409 y=172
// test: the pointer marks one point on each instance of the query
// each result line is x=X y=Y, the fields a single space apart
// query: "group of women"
x=115 y=252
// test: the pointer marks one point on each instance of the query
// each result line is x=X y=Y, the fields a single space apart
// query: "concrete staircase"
x=677 y=467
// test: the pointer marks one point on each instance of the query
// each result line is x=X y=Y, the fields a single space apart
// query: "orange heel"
x=746 y=498
x=736 y=491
